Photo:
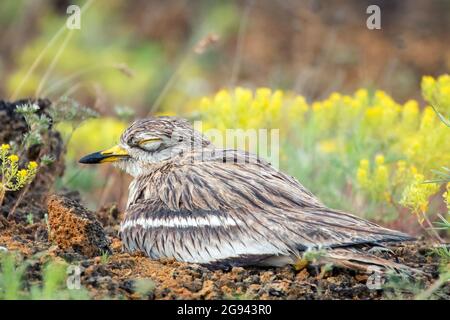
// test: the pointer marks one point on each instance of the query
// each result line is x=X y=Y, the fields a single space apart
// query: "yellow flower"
x=416 y=195
x=335 y=96
x=362 y=174
x=374 y=113
x=364 y=163
x=427 y=84
x=328 y=146
x=5 y=147
x=22 y=174
x=32 y=165
x=379 y=159
x=410 y=115
x=428 y=117
x=381 y=178
x=362 y=177
x=13 y=158
x=401 y=174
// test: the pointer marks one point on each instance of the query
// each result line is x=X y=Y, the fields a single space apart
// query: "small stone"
x=127 y=285
x=208 y=291
x=238 y=273
x=302 y=275
x=73 y=227
x=278 y=289
x=361 y=277
x=194 y=286
x=267 y=276
x=253 y=289
x=97 y=260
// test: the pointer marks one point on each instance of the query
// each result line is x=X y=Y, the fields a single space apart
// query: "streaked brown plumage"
x=196 y=203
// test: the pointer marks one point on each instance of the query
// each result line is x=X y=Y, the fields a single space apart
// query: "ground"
x=112 y=273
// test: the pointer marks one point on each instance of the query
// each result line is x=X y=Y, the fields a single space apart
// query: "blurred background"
x=134 y=58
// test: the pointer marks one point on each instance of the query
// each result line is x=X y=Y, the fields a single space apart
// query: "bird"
x=197 y=203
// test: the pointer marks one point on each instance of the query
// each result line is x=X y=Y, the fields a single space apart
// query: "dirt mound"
x=73 y=227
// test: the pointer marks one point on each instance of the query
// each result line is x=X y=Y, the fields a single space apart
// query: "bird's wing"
x=257 y=192
x=249 y=206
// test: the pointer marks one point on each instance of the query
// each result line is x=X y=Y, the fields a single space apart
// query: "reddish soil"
x=115 y=275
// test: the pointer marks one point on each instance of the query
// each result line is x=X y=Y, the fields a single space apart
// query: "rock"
x=361 y=278
x=302 y=275
x=73 y=227
x=278 y=288
x=208 y=291
x=194 y=286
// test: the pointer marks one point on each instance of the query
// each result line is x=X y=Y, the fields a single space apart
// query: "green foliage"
x=400 y=286
x=442 y=176
x=444 y=254
x=70 y=111
x=104 y=258
x=434 y=291
x=444 y=224
x=10 y=277
x=143 y=287
x=443 y=251
x=47 y=160
x=314 y=255
x=30 y=218
x=53 y=285
x=37 y=124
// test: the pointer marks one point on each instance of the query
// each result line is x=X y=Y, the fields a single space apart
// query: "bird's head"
x=150 y=141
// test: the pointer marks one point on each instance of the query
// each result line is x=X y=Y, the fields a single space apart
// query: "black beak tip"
x=92 y=158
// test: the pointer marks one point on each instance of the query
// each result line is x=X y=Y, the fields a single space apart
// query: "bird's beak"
x=110 y=155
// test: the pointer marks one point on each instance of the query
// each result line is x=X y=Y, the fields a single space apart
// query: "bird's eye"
x=149 y=144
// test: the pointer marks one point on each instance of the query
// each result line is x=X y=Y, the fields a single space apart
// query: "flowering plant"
x=14 y=178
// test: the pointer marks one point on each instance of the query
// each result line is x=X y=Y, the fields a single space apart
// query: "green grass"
x=53 y=285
